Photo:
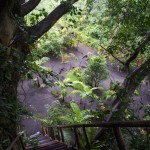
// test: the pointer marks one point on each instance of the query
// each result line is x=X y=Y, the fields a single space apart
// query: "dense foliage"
x=117 y=29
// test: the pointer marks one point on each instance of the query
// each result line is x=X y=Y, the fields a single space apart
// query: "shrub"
x=96 y=71
x=69 y=42
x=54 y=44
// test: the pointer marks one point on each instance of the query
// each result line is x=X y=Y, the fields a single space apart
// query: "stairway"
x=46 y=143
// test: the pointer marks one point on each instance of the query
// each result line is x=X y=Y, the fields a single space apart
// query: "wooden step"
x=45 y=143
x=50 y=146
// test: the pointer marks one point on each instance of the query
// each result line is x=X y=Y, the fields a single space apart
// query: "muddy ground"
x=36 y=99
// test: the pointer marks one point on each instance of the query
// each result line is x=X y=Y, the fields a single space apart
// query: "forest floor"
x=36 y=98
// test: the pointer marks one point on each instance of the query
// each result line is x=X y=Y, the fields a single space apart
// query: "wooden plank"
x=144 y=123
x=119 y=139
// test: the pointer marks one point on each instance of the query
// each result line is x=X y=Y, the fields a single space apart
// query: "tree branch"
x=43 y=26
x=137 y=51
x=117 y=59
x=135 y=78
x=112 y=55
x=127 y=89
x=29 y=6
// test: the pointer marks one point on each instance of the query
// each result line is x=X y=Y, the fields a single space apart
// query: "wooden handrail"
x=143 y=123
x=19 y=137
x=115 y=125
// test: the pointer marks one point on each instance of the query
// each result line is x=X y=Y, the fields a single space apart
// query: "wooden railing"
x=18 y=140
x=15 y=141
x=50 y=131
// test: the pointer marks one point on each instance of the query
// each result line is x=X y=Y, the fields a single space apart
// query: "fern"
x=76 y=111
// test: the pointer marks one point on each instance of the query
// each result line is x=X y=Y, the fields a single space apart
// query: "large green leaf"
x=76 y=110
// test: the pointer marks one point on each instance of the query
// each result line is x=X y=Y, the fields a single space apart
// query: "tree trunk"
x=13 y=52
x=10 y=64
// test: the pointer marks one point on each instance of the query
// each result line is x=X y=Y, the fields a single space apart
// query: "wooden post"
x=62 y=135
x=86 y=138
x=76 y=136
x=22 y=144
x=59 y=138
x=51 y=132
x=119 y=138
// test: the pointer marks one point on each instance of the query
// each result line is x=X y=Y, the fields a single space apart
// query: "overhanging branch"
x=137 y=51
x=29 y=6
x=43 y=26
x=129 y=85
x=112 y=55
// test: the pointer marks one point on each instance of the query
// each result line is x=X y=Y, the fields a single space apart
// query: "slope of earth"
x=36 y=99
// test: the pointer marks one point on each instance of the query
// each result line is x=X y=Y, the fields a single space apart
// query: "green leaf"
x=76 y=110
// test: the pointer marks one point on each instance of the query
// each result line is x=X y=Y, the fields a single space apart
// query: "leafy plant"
x=78 y=115
x=108 y=94
x=140 y=139
x=66 y=114
x=36 y=67
x=36 y=16
x=54 y=43
x=63 y=90
x=74 y=81
x=74 y=75
x=70 y=113
x=96 y=71
x=83 y=90
x=66 y=57
x=69 y=42
x=32 y=141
